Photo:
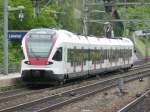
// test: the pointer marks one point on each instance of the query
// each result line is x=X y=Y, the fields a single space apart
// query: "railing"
x=12 y=68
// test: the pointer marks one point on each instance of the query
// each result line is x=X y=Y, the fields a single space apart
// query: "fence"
x=12 y=68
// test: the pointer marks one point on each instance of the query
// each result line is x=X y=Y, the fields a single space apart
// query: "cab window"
x=58 y=55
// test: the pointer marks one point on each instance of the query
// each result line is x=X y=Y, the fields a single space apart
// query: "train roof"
x=73 y=38
x=69 y=37
x=42 y=31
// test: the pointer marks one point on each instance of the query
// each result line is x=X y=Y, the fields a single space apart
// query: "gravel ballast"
x=108 y=101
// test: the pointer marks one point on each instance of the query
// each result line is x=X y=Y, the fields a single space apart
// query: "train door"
x=116 y=57
x=65 y=59
x=69 y=60
x=75 y=60
x=110 y=57
x=86 y=60
x=101 y=57
x=58 y=61
x=91 y=61
x=72 y=61
x=80 y=60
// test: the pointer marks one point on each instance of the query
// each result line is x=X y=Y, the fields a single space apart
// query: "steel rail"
x=10 y=92
x=131 y=105
x=51 y=102
x=10 y=95
x=119 y=20
x=121 y=3
x=140 y=66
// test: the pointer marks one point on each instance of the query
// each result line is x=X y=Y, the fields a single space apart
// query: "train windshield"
x=39 y=45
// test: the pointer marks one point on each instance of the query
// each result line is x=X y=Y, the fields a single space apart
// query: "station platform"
x=10 y=79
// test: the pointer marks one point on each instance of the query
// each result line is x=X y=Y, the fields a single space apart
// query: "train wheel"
x=126 y=70
x=86 y=76
x=61 y=82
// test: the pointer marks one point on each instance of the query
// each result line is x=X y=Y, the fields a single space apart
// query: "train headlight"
x=49 y=63
x=27 y=62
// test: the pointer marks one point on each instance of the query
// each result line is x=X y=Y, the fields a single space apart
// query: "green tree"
x=45 y=19
x=71 y=19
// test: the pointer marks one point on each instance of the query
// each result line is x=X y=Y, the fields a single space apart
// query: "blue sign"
x=16 y=34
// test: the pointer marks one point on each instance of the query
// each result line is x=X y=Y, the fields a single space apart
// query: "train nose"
x=37 y=73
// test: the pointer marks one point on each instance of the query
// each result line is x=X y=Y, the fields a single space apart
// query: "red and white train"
x=59 y=55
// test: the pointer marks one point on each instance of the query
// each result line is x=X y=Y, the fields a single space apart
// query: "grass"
x=9 y=88
x=1 y=49
x=140 y=43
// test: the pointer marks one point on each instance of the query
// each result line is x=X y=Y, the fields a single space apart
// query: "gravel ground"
x=142 y=106
x=43 y=94
x=107 y=103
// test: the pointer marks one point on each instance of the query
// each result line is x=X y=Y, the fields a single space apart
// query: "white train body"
x=60 y=55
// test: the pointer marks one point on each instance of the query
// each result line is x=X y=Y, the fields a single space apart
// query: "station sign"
x=16 y=34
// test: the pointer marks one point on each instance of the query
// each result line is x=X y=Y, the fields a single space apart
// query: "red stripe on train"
x=38 y=61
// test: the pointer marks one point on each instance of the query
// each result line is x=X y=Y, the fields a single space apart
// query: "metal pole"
x=125 y=24
x=37 y=8
x=85 y=18
x=34 y=8
x=121 y=86
x=146 y=48
x=149 y=81
x=5 y=39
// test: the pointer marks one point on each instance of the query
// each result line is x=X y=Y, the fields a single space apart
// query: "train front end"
x=37 y=46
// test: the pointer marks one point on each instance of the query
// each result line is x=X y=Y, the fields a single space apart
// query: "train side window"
x=58 y=55
x=119 y=53
x=130 y=52
x=68 y=55
x=116 y=57
x=108 y=54
x=103 y=54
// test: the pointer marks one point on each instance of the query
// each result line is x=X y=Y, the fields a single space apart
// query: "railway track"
x=141 y=61
x=11 y=95
x=140 y=104
x=140 y=66
x=61 y=98
x=18 y=93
